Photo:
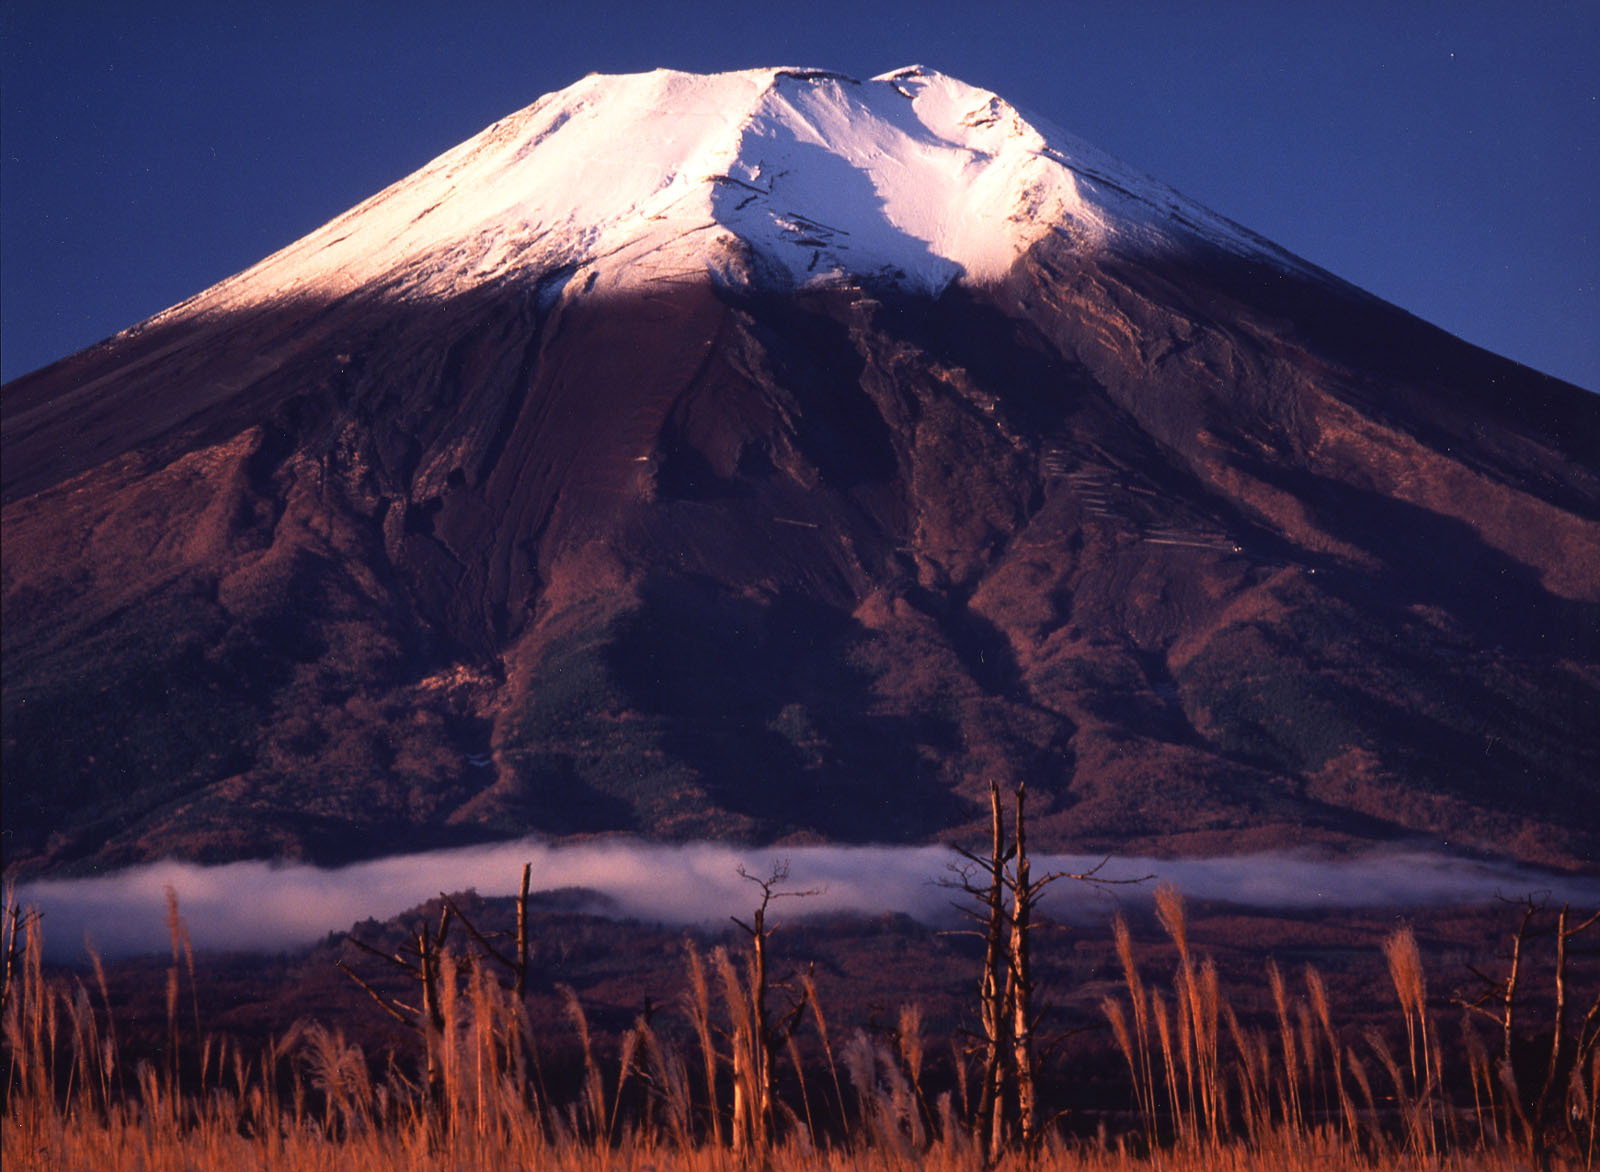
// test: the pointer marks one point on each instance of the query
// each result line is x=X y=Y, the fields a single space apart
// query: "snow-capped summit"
x=590 y=480
x=792 y=175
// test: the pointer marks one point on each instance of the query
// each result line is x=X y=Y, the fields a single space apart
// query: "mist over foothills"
x=263 y=906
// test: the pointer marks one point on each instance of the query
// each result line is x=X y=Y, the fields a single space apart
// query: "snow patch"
x=799 y=175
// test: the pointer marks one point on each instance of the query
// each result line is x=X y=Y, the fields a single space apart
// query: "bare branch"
x=489 y=949
x=390 y=959
x=382 y=1001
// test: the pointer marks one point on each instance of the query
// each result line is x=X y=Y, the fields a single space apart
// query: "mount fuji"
x=777 y=456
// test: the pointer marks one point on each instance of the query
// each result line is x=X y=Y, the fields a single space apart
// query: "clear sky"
x=1443 y=155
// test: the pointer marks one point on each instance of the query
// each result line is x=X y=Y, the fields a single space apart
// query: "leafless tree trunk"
x=760 y=1033
x=985 y=879
x=422 y=961
x=14 y=924
x=517 y=962
x=1006 y=986
x=1500 y=1002
x=1023 y=894
x=753 y=1064
x=521 y=988
x=992 y=991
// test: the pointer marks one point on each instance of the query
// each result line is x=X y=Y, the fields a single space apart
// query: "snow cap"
x=786 y=175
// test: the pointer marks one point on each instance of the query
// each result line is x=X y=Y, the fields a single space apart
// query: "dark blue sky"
x=1442 y=155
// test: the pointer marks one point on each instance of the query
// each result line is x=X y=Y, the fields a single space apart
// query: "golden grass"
x=1270 y=1104
x=1210 y=1092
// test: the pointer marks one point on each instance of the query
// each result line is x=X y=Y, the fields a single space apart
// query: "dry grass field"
x=1506 y=1081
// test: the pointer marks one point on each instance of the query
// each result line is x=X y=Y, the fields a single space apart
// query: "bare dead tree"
x=421 y=959
x=753 y=1112
x=982 y=878
x=15 y=921
x=517 y=962
x=1504 y=1001
x=1024 y=893
x=1006 y=990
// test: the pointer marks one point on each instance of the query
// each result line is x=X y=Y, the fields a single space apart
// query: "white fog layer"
x=261 y=906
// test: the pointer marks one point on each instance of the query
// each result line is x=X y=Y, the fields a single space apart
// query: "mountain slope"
x=785 y=487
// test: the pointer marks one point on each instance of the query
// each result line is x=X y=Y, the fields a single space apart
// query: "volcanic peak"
x=782 y=177
x=407 y=537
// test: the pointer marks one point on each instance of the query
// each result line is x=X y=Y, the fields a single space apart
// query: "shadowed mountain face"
x=1211 y=557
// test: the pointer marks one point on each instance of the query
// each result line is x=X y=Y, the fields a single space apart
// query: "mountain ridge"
x=1212 y=552
x=967 y=143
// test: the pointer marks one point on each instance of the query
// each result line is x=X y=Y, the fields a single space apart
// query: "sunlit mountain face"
x=780 y=456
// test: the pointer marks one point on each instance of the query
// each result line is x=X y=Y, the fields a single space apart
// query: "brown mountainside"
x=1210 y=556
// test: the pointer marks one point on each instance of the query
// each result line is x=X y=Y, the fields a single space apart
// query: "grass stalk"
x=1287 y=1095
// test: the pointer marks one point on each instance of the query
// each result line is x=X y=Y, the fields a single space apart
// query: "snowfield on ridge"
x=787 y=177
